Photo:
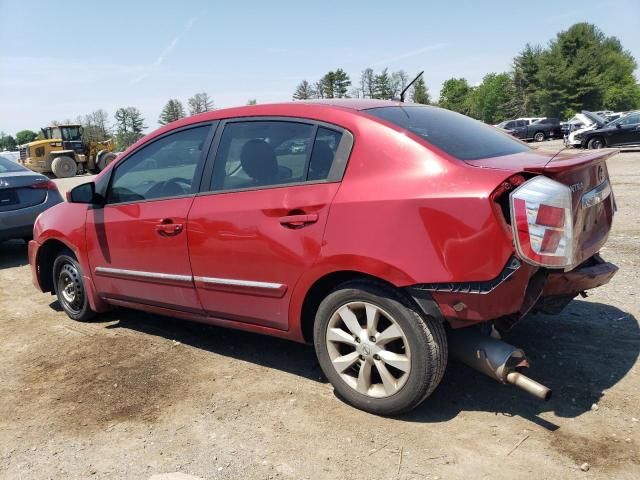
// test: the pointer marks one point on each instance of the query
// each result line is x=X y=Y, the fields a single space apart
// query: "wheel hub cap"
x=368 y=349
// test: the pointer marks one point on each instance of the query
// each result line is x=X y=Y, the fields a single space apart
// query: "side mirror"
x=85 y=193
x=618 y=125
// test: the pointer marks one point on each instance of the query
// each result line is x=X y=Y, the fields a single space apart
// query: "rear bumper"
x=518 y=289
x=19 y=223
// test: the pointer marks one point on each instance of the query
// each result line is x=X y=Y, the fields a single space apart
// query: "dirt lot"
x=135 y=395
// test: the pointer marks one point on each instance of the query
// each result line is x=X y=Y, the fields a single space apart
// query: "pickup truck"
x=538 y=131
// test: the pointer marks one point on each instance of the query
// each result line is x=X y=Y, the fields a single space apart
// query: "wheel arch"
x=325 y=284
x=47 y=254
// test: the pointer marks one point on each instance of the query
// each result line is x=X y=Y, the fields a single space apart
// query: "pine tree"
x=341 y=83
x=525 y=81
x=383 y=86
x=129 y=127
x=304 y=91
x=420 y=92
x=171 y=112
x=200 y=103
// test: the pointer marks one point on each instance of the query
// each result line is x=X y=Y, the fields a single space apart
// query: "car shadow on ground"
x=13 y=253
x=579 y=354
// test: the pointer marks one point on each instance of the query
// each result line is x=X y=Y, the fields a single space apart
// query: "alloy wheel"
x=368 y=349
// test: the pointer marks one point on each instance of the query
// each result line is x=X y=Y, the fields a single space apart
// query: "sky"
x=67 y=58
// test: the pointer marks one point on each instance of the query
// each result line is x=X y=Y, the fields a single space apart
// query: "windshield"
x=9 y=166
x=70 y=134
x=455 y=134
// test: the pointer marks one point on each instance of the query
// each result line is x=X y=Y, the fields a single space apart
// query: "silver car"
x=23 y=196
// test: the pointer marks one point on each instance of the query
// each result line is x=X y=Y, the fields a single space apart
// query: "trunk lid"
x=16 y=190
x=586 y=176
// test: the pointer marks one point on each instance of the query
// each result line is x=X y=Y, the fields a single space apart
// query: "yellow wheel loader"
x=64 y=153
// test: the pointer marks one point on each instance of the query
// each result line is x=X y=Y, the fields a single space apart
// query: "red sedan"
x=388 y=235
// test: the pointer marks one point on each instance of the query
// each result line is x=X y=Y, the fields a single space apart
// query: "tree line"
x=581 y=69
x=381 y=85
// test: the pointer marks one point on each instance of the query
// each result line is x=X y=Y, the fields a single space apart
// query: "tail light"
x=542 y=222
x=46 y=185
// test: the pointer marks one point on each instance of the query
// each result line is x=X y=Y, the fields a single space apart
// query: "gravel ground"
x=134 y=395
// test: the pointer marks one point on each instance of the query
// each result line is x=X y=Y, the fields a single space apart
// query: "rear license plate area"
x=8 y=197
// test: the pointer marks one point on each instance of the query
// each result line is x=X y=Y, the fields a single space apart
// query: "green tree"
x=7 y=142
x=200 y=103
x=383 y=85
x=492 y=100
x=526 y=66
x=341 y=83
x=454 y=95
x=583 y=70
x=420 y=92
x=252 y=101
x=25 y=136
x=172 y=111
x=304 y=91
x=129 y=127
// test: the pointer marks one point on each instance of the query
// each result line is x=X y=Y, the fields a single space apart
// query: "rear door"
x=261 y=224
x=137 y=243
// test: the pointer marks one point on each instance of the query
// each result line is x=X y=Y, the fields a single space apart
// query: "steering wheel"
x=170 y=188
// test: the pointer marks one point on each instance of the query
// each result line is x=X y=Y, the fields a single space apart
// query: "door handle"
x=298 y=221
x=166 y=227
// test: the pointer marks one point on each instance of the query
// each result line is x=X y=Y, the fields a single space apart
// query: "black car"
x=539 y=130
x=623 y=132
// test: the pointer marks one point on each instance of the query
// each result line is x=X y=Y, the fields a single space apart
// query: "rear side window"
x=259 y=154
x=458 y=135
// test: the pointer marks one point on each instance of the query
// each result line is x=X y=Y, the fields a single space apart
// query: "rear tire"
x=388 y=356
x=64 y=167
x=69 y=287
x=539 y=137
x=596 y=143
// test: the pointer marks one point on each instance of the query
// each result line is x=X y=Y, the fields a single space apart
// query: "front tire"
x=69 y=287
x=379 y=351
x=596 y=143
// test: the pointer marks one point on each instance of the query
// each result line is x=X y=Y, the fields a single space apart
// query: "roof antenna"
x=408 y=86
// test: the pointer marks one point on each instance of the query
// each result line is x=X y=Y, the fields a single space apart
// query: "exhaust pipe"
x=495 y=358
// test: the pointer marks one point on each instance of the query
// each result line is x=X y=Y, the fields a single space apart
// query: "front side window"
x=258 y=154
x=163 y=169
x=458 y=135
x=632 y=119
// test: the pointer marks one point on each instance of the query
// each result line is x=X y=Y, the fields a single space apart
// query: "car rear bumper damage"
x=517 y=290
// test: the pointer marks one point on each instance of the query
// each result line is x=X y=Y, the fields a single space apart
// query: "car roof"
x=355 y=103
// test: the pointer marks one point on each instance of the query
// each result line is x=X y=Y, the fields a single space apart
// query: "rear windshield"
x=7 y=165
x=456 y=134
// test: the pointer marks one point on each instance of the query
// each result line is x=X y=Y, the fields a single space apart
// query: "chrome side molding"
x=265 y=289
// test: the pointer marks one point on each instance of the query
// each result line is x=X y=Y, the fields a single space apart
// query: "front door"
x=261 y=226
x=628 y=133
x=137 y=242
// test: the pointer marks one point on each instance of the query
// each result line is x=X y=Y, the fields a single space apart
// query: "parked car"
x=23 y=196
x=403 y=234
x=538 y=130
x=624 y=132
x=518 y=122
x=591 y=122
